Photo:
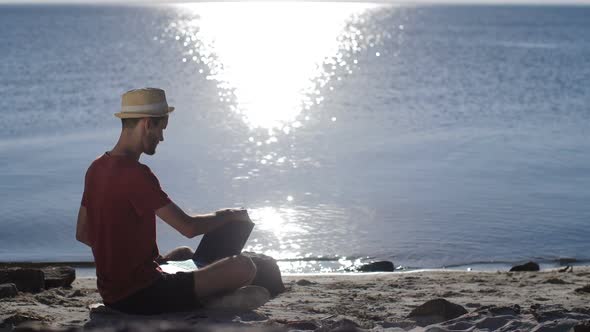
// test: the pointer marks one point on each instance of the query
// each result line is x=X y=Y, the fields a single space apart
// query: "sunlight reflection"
x=278 y=221
x=284 y=225
x=268 y=57
x=319 y=265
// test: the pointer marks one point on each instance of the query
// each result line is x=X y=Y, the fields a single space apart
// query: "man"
x=117 y=220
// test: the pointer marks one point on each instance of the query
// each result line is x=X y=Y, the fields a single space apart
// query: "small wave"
x=545 y=263
x=336 y=264
x=527 y=45
x=310 y=259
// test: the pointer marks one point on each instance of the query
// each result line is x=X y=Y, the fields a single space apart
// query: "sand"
x=525 y=301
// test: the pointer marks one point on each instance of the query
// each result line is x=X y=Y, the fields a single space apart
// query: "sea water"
x=432 y=136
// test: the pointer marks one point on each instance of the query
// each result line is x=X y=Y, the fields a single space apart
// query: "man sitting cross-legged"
x=117 y=219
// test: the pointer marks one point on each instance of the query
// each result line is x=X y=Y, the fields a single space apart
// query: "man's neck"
x=125 y=152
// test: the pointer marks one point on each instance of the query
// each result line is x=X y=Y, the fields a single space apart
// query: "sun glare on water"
x=267 y=57
x=271 y=62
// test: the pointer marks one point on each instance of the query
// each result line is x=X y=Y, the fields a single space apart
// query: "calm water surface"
x=430 y=136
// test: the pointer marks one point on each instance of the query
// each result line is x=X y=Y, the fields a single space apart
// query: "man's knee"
x=179 y=254
x=185 y=252
x=245 y=266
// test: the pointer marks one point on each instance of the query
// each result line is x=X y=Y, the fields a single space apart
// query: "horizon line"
x=391 y=2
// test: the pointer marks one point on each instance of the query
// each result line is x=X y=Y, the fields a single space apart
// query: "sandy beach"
x=494 y=301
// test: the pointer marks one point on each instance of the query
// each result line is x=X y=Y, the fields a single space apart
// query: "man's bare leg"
x=224 y=276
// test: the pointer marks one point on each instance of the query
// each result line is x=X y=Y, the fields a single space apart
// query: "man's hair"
x=131 y=123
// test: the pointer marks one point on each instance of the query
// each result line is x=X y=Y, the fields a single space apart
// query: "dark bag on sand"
x=268 y=274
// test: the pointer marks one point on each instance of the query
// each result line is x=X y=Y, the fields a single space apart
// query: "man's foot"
x=242 y=299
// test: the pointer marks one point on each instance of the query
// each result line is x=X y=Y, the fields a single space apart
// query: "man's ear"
x=145 y=123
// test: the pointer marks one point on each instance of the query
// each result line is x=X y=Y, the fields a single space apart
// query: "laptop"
x=224 y=241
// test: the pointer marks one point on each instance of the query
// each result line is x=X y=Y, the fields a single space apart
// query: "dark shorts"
x=170 y=293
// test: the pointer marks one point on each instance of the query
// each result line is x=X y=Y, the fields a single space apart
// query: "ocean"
x=431 y=136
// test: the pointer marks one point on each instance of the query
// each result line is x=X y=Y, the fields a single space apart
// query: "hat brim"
x=128 y=115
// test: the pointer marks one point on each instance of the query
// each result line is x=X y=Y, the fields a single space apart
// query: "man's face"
x=155 y=135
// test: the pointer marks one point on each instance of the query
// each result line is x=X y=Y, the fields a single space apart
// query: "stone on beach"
x=530 y=266
x=436 y=311
x=380 y=266
x=585 y=289
x=59 y=276
x=8 y=290
x=34 y=280
x=25 y=279
x=305 y=282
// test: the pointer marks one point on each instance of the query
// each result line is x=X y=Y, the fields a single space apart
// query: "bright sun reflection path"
x=284 y=224
x=278 y=221
x=281 y=224
x=268 y=54
x=272 y=62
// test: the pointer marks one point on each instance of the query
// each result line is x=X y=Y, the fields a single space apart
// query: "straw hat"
x=142 y=103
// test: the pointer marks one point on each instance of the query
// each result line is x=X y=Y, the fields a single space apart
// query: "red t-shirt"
x=121 y=196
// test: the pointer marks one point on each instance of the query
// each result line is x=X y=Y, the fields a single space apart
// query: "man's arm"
x=82 y=234
x=191 y=226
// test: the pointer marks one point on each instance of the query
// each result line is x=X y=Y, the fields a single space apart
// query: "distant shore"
x=515 y=300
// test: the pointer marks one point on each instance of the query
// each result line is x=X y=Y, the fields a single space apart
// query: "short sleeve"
x=146 y=195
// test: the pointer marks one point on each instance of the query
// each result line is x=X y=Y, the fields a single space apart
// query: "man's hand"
x=226 y=215
x=191 y=226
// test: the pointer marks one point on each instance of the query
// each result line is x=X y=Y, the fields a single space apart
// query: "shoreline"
x=374 y=301
x=476 y=266
x=87 y=269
